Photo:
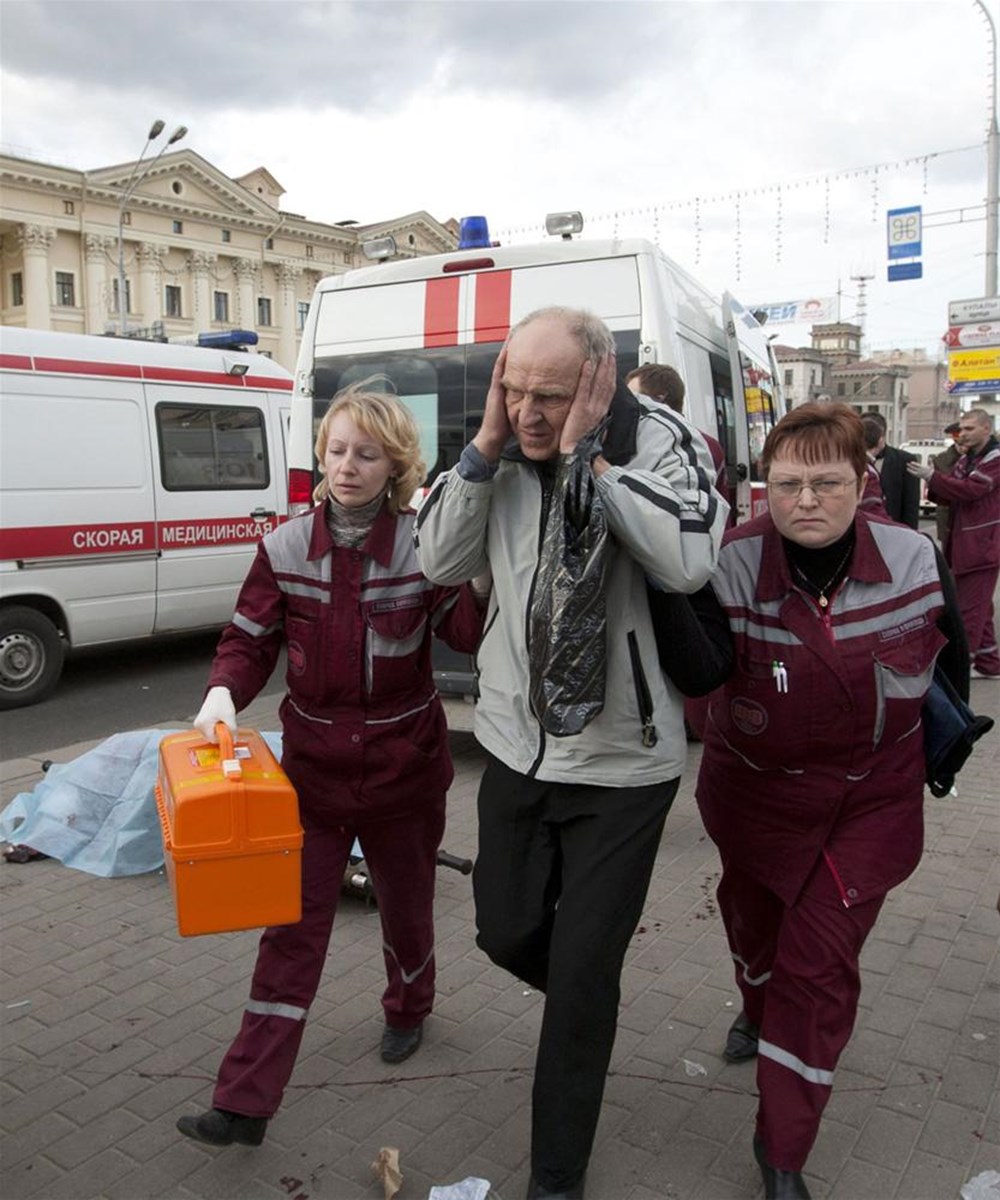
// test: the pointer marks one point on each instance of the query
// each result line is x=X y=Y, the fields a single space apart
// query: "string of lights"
x=739 y=195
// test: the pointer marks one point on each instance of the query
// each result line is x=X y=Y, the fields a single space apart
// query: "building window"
x=178 y=226
x=301 y=312
x=227 y=235
x=309 y=251
x=16 y=289
x=857 y=387
x=114 y=296
x=263 y=310
x=841 y=389
x=172 y=304
x=788 y=378
x=269 y=244
x=873 y=388
x=69 y=208
x=221 y=306
x=126 y=218
x=65 y=289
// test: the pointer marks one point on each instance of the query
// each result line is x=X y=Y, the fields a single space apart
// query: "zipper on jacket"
x=546 y=488
x=642 y=696
x=836 y=879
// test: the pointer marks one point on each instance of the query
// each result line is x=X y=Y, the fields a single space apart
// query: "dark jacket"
x=900 y=489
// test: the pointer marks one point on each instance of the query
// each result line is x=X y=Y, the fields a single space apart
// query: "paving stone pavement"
x=113 y=1026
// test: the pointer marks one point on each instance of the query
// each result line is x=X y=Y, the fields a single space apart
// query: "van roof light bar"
x=563 y=224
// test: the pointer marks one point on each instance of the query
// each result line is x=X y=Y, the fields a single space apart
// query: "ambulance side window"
x=203 y=447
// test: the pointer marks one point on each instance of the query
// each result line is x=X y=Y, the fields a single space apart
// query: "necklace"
x=821 y=598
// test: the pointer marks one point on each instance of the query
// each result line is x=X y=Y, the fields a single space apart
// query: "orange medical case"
x=231 y=834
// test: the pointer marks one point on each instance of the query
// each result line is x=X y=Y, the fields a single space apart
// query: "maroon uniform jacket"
x=814 y=746
x=364 y=730
x=973 y=491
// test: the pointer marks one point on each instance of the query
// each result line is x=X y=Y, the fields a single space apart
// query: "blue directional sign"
x=907 y=270
x=904 y=233
x=972 y=387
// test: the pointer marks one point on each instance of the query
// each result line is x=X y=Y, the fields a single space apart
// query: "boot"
x=217 y=1127
x=779 y=1185
x=741 y=1041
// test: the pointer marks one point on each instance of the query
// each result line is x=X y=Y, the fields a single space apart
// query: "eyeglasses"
x=822 y=489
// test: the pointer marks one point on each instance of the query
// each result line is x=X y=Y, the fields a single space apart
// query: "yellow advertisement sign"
x=970 y=366
x=754 y=399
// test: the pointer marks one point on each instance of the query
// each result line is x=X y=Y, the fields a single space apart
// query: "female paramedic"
x=812 y=775
x=364 y=738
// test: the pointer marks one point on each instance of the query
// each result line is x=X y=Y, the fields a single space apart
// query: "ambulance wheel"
x=31 y=657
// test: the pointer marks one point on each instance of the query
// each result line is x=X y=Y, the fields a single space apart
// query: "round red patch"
x=748 y=716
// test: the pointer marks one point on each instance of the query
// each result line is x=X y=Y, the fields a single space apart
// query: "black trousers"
x=560 y=881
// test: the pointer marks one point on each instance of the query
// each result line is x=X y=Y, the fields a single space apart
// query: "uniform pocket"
x=396 y=632
x=902 y=676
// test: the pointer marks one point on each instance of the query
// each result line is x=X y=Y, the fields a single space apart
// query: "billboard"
x=815 y=310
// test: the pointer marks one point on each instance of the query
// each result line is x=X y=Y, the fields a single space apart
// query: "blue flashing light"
x=231 y=339
x=473 y=233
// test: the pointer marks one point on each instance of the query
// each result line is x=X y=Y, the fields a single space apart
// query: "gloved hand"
x=482 y=585
x=218 y=706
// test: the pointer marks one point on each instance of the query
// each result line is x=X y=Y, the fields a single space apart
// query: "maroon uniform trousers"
x=401 y=853
x=797 y=971
x=975 y=599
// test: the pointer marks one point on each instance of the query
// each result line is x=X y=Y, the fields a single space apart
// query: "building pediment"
x=185 y=182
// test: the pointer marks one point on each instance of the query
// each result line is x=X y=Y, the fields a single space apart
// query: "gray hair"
x=593 y=336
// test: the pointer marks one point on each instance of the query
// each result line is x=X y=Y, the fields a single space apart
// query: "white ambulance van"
x=135 y=481
x=435 y=325
x=924 y=449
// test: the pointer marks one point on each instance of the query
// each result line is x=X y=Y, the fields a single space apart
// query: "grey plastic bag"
x=568 y=617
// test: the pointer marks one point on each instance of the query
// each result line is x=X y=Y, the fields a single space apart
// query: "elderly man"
x=569 y=825
x=972 y=546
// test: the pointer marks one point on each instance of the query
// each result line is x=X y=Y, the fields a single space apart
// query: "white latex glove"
x=916 y=468
x=218 y=706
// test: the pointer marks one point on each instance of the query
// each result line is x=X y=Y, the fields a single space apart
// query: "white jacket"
x=665 y=521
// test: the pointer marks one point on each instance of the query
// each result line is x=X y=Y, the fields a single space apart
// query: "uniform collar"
x=378 y=544
x=775 y=579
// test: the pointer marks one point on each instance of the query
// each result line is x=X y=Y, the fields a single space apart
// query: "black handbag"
x=951 y=730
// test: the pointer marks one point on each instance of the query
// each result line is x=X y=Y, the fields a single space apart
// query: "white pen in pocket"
x=780 y=674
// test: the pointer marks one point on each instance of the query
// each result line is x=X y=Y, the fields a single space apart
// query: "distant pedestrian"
x=945 y=463
x=972 y=547
x=661 y=382
x=900 y=489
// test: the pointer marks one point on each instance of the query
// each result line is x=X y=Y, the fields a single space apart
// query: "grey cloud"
x=356 y=55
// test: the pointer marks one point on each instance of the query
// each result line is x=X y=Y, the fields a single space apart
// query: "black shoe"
x=537 y=1192
x=217 y=1127
x=741 y=1041
x=399 y=1044
x=779 y=1185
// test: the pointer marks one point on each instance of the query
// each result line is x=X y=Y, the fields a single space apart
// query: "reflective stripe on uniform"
x=266 y=1008
x=751 y=980
x=408 y=976
x=786 y=1059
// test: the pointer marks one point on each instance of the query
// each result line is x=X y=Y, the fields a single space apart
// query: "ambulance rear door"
x=755 y=402
x=220 y=485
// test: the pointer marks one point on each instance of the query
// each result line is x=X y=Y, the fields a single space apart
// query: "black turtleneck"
x=820 y=569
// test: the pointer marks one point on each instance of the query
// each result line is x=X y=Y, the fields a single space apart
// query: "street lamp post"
x=131 y=184
x=992 y=162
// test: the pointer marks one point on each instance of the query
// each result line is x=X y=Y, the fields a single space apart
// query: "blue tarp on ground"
x=98 y=812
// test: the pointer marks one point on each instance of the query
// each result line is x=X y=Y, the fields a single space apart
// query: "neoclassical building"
x=201 y=252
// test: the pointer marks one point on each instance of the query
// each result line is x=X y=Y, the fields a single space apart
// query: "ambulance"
x=136 y=479
x=435 y=325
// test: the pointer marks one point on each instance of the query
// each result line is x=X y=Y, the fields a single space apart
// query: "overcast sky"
x=656 y=118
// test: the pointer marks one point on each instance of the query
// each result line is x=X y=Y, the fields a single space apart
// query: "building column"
x=35 y=242
x=99 y=292
x=151 y=259
x=287 y=275
x=201 y=266
x=246 y=272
